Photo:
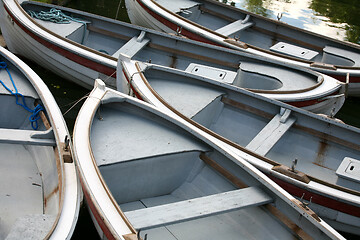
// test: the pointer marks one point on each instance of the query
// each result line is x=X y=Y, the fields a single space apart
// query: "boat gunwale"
x=235 y=145
x=157 y=46
x=277 y=191
x=53 y=33
x=59 y=128
x=89 y=190
x=320 y=78
x=255 y=47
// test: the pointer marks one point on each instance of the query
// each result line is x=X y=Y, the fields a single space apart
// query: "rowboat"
x=88 y=46
x=309 y=155
x=40 y=191
x=220 y=24
x=145 y=174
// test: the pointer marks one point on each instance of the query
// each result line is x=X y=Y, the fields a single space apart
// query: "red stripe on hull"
x=317 y=198
x=64 y=52
x=342 y=78
x=175 y=27
x=98 y=217
x=131 y=86
x=300 y=104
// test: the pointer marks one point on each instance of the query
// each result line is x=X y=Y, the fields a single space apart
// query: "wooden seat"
x=133 y=46
x=31 y=137
x=216 y=74
x=197 y=208
x=271 y=133
x=235 y=26
x=293 y=50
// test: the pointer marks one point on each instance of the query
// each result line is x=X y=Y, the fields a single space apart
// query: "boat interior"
x=171 y=185
x=233 y=23
x=28 y=172
x=114 y=38
x=261 y=126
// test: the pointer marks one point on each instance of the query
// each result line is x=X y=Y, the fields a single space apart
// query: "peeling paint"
x=321 y=153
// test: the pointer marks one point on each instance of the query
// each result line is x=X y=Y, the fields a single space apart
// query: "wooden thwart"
x=271 y=133
x=234 y=27
x=133 y=46
x=30 y=137
x=197 y=208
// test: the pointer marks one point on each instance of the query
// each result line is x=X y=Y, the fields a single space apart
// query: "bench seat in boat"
x=197 y=208
x=234 y=27
x=293 y=50
x=19 y=136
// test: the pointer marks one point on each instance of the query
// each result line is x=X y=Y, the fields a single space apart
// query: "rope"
x=54 y=15
x=57 y=16
x=35 y=112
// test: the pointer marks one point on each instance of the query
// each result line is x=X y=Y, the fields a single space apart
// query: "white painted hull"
x=147 y=13
x=40 y=49
x=64 y=201
x=327 y=196
x=103 y=201
x=81 y=64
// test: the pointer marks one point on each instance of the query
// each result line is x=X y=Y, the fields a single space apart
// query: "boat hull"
x=54 y=212
x=81 y=65
x=172 y=148
x=40 y=48
x=339 y=204
x=146 y=13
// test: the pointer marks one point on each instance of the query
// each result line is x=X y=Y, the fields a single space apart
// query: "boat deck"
x=238 y=224
x=169 y=172
x=21 y=185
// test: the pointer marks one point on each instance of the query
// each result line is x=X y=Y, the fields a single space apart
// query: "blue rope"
x=35 y=112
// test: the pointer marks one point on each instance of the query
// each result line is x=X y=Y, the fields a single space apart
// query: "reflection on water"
x=334 y=18
x=114 y=9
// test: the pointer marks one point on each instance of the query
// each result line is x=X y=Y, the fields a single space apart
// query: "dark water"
x=334 y=18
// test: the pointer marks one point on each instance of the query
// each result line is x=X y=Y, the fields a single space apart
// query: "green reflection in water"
x=256 y=6
x=345 y=11
x=106 y=8
x=335 y=18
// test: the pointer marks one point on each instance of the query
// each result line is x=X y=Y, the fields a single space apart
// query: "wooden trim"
x=328 y=137
x=58 y=36
x=217 y=14
x=107 y=32
x=233 y=144
x=297 y=41
x=101 y=179
x=287 y=222
x=272 y=209
x=311 y=131
x=183 y=19
x=201 y=127
x=288 y=91
x=246 y=108
x=45 y=120
x=193 y=55
x=236 y=181
x=166 y=49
